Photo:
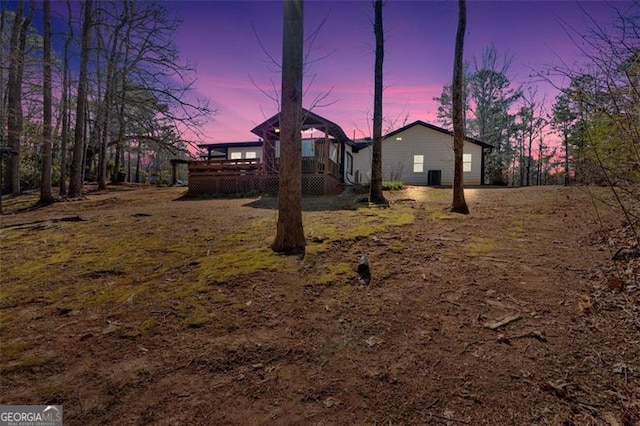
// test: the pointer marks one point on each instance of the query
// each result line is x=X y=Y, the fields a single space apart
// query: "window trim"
x=417 y=157
x=467 y=162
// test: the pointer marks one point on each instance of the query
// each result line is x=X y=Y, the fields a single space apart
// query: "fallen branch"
x=450 y=419
x=497 y=324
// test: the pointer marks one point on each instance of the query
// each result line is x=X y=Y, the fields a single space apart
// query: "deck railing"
x=315 y=165
x=227 y=167
x=214 y=167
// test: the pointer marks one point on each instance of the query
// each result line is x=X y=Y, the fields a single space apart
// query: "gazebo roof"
x=311 y=121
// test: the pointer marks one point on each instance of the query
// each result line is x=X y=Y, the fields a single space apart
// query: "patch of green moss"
x=438 y=214
x=479 y=246
x=439 y=194
x=13 y=351
x=198 y=317
x=239 y=260
x=24 y=364
x=22 y=202
x=336 y=273
x=397 y=246
x=149 y=324
x=517 y=231
x=117 y=293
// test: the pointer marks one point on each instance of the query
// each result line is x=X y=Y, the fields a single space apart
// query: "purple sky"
x=219 y=37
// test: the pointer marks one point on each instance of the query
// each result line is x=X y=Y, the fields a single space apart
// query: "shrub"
x=392 y=185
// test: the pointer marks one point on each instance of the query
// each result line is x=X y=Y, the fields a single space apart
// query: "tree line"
x=595 y=115
x=111 y=103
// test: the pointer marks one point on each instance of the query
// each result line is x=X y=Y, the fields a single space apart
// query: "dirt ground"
x=136 y=306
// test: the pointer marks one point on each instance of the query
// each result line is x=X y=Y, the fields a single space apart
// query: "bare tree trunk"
x=375 y=195
x=108 y=101
x=77 y=165
x=566 y=156
x=129 y=166
x=46 y=195
x=289 y=233
x=3 y=111
x=123 y=99
x=459 y=204
x=529 y=153
x=65 y=107
x=14 y=93
x=13 y=104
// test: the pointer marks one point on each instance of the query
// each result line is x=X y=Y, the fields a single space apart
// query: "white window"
x=235 y=155
x=278 y=148
x=418 y=163
x=308 y=147
x=250 y=155
x=466 y=162
x=333 y=153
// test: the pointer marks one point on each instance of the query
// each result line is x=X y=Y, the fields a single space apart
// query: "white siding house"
x=422 y=154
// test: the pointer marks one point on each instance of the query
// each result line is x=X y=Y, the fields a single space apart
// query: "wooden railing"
x=319 y=165
x=226 y=167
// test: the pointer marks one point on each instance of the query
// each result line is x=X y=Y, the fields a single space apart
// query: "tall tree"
x=112 y=45
x=289 y=233
x=488 y=95
x=459 y=204
x=375 y=195
x=77 y=164
x=3 y=114
x=493 y=95
x=46 y=195
x=562 y=120
x=64 y=137
x=14 y=93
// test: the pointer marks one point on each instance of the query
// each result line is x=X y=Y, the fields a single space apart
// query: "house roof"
x=311 y=121
x=437 y=129
x=224 y=145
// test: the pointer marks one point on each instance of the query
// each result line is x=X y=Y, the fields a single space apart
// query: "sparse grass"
x=439 y=214
x=116 y=262
x=11 y=351
x=335 y=273
x=479 y=246
x=198 y=318
x=353 y=224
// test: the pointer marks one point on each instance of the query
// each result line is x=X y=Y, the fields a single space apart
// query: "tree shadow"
x=310 y=203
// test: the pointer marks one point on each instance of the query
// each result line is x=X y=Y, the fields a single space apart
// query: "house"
x=422 y=154
x=416 y=154
x=237 y=167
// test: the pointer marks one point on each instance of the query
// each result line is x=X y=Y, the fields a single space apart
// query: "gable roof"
x=311 y=120
x=437 y=129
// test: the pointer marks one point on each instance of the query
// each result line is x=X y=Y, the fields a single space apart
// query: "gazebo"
x=323 y=161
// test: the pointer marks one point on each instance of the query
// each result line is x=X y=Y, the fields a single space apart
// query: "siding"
x=437 y=148
x=362 y=166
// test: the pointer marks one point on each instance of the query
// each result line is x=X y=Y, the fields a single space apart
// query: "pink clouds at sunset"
x=231 y=43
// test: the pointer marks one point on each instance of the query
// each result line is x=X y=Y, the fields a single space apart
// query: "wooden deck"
x=251 y=175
